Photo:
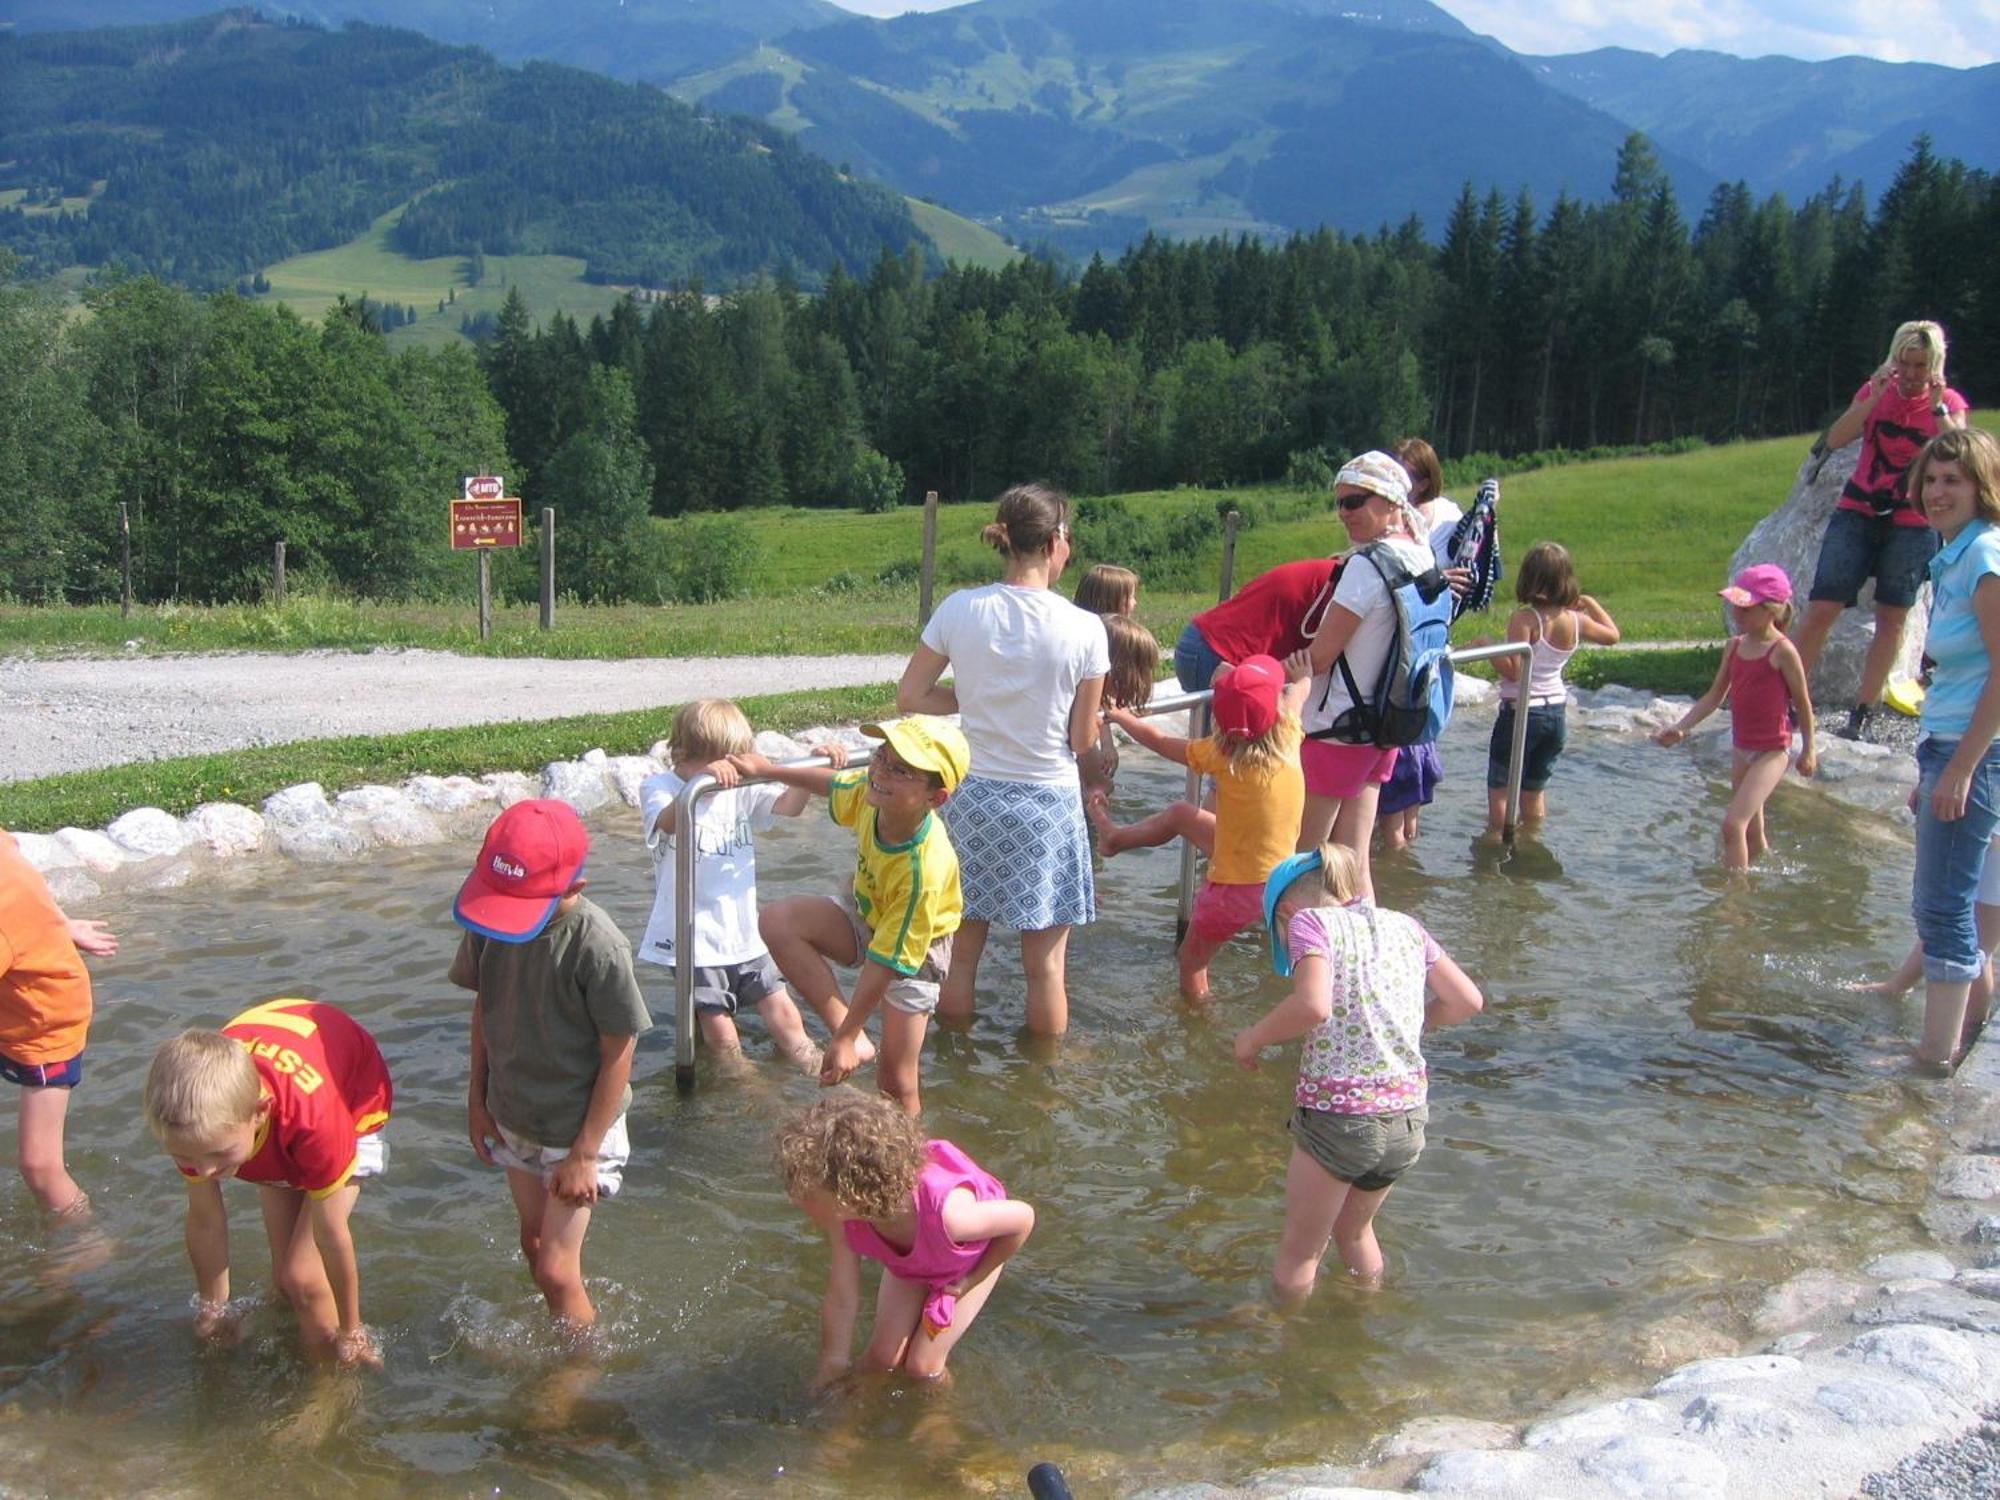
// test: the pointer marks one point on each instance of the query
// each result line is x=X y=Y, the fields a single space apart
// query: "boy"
x=44 y=1018
x=291 y=1095
x=556 y=1020
x=733 y=968
x=897 y=921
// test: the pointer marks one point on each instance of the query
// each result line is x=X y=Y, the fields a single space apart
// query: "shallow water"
x=1669 y=1104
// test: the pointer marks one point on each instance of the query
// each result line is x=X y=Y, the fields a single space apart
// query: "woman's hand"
x=1668 y=738
x=1808 y=760
x=1949 y=796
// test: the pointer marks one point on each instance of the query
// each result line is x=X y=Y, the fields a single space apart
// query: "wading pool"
x=1669 y=1105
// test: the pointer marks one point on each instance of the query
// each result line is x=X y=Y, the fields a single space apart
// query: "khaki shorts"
x=519 y=1154
x=913 y=994
x=1365 y=1151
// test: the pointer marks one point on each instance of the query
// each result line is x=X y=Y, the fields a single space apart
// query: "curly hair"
x=860 y=1148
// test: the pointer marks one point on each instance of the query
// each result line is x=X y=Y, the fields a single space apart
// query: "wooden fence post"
x=485 y=595
x=124 y=560
x=548 y=567
x=278 y=574
x=927 y=580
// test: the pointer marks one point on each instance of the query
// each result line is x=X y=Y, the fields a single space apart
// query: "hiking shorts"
x=1336 y=770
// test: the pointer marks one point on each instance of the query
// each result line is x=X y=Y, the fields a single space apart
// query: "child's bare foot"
x=1110 y=837
x=730 y=1062
x=1889 y=988
x=806 y=1058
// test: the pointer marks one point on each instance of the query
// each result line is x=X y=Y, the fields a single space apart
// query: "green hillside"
x=960 y=240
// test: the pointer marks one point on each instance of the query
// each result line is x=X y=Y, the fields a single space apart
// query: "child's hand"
x=724 y=771
x=1668 y=738
x=835 y=752
x=355 y=1349
x=1247 y=1048
x=1808 y=760
x=751 y=763
x=1299 y=665
x=842 y=1057
x=92 y=937
x=574 y=1180
x=1124 y=718
x=481 y=1130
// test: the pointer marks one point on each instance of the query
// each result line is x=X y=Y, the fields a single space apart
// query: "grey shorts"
x=1365 y=1151
x=725 y=989
x=913 y=994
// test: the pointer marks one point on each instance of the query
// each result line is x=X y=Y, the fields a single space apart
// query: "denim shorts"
x=1951 y=859
x=1857 y=547
x=1548 y=732
x=1195 y=661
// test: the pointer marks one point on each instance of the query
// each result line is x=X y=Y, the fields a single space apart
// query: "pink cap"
x=1246 y=699
x=1764 y=584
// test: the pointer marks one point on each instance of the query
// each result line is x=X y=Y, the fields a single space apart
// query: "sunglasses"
x=1355 y=502
x=894 y=765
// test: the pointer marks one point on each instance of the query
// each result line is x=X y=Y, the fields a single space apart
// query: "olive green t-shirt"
x=543 y=1004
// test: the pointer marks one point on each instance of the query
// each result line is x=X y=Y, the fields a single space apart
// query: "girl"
x=1108 y=589
x=1359 y=979
x=1557 y=617
x=1028 y=672
x=1764 y=682
x=941 y=1226
x=1260 y=793
x=1135 y=665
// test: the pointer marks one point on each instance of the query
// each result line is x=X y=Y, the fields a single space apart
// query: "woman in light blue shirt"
x=1956 y=482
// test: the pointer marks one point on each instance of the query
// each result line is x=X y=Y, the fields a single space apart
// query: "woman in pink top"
x=940 y=1224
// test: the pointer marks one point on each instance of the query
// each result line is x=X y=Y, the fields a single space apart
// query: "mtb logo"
x=1411 y=702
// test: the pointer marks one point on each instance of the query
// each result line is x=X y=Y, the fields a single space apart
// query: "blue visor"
x=1276 y=884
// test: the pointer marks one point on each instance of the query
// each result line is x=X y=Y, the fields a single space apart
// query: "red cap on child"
x=532 y=855
x=1246 y=699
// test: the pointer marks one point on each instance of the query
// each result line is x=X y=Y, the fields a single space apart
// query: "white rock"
x=1610 y=720
x=170 y=876
x=1805 y=1297
x=1658 y=1468
x=661 y=751
x=148 y=833
x=92 y=850
x=388 y=817
x=1473 y=692
x=1912 y=1265
x=1979 y=1283
x=1611 y=695
x=367 y=801
x=1873 y=1401
x=582 y=785
x=1719 y=1371
x=298 y=806
x=593 y=757
x=226 y=829
x=509 y=787
x=1307 y=1482
x=1442 y=1434
x=323 y=842
x=627 y=771
x=1480 y=1470
x=1724 y=1414
x=45 y=853
x=447 y=794
x=1934 y=1354
x=1595 y=1424
x=1974 y=1177
x=779 y=747
x=1793 y=1343
x=70 y=886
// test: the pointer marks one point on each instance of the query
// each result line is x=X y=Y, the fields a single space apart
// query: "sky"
x=1959 y=33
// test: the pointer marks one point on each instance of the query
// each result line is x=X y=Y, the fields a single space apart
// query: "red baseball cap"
x=1246 y=699
x=532 y=855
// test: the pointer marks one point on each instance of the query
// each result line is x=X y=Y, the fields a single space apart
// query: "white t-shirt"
x=725 y=912
x=1017 y=658
x=1360 y=590
x=1445 y=516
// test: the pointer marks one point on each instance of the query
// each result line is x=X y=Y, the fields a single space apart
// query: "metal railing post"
x=1517 y=752
x=1198 y=726
x=686 y=806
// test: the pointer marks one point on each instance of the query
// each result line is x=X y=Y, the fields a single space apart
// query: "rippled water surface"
x=1670 y=1103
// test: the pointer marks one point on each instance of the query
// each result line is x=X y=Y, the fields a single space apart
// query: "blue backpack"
x=1412 y=702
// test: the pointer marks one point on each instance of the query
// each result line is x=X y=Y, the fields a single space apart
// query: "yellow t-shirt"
x=1256 y=820
x=907 y=894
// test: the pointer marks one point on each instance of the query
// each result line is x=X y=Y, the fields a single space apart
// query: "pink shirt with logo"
x=1890 y=437
x=1366 y=1058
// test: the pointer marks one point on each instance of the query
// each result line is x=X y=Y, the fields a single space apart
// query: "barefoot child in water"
x=1366 y=983
x=940 y=1224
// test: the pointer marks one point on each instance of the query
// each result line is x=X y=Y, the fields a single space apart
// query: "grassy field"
x=960 y=240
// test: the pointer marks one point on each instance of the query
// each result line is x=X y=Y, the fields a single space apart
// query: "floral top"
x=1366 y=1057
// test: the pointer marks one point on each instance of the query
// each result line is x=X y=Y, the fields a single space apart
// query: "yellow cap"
x=927 y=743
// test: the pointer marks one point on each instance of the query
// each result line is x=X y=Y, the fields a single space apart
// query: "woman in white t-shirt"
x=1028 y=672
x=1344 y=782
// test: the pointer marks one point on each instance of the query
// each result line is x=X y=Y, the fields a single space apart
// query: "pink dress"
x=935 y=1258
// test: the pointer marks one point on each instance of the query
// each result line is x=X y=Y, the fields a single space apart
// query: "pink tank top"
x=935 y=1258
x=1760 y=705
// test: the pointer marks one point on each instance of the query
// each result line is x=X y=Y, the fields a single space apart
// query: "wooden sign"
x=485 y=523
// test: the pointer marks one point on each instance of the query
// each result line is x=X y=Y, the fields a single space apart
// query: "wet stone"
x=91 y=849
x=1933 y=1354
x=322 y=843
x=297 y=806
x=1724 y=1414
x=1480 y=1470
x=1596 y=1423
x=1443 y=1434
x=1932 y=1302
x=1981 y=1283
x=226 y=829
x=1908 y=1265
x=1658 y=1468
x=1806 y=1297
x=509 y=787
x=71 y=885
x=1971 y=1177
x=148 y=833
x=1720 y=1371
x=1876 y=1401
x=43 y=852
x=582 y=785
x=627 y=771
x=447 y=794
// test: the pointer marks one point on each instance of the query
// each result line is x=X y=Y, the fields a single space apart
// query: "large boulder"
x=1790 y=537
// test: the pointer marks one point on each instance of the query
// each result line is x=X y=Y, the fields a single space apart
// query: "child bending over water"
x=940 y=1224
x=1365 y=985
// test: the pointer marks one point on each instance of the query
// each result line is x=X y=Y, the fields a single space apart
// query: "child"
x=897 y=918
x=45 y=1008
x=732 y=966
x=1135 y=665
x=1359 y=978
x=941 y=1226
x=1764 y=681
x=556 y=1020
x=1557 y=617
x=1108 y=589
x=1260 y=794
x=291 y=1095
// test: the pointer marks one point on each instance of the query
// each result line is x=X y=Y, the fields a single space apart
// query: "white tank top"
x=1545 y=670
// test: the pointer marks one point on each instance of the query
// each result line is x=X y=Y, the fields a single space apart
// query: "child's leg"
x=928 y=1352
x=1317 y=823
x=1313 y=1201
x=899 y=1312
x=1496 y=811
x=803 y=932
x=1045 y=957
x=1195 y=954
x=1912 y=967
x=552 y=1234
x=955 y=993
x=788 y=1030
x=1534 y=806
x=898 y=1063
x=1352 y=826
x=718 y=1031
x=1755 y=776
x=43 y=1111
x=296 y=1269
x=1178 y=820
x=1354 y=1233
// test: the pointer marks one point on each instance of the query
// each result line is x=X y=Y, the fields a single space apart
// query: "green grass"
x=90 y=799
x=960 y=240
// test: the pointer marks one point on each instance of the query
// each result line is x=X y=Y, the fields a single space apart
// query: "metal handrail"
x=686 y=805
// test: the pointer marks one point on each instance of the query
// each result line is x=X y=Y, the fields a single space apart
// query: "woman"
x=1419 y=768
x=1874 y=530
x=1956 y=479
x=1274 y=614
x=1344 y=782
x=1028 y=672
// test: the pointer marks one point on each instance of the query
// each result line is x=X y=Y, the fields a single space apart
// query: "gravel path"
x=1954 y=1470
x=74 y=715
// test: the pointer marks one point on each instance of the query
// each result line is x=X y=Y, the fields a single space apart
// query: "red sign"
x=485 y=487
x=485 y=523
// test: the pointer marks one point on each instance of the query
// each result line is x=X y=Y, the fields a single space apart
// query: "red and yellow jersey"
x=328 y=1087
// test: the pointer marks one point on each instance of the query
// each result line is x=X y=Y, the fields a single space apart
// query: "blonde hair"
x=200 y=1084
x=1108 y=589
x=1920 y=333
x=1258 y=757
x=1026 y=520
x=859 y=1148
x=1974 y=450
x=708 y=729
x=1135 y=662
x=1338 y=877
x=1547 y=577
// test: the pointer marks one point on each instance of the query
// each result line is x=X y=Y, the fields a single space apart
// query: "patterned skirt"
x=1023 y=853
